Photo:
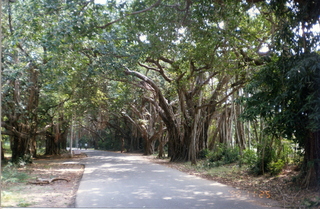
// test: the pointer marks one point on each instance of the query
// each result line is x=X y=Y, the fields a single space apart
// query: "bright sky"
x=100 y=1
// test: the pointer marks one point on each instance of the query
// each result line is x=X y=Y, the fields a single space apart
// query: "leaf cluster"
x=286 y=94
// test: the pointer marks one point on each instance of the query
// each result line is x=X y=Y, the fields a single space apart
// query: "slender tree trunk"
x=2 y=152
x=195 y=134
x=162 y=141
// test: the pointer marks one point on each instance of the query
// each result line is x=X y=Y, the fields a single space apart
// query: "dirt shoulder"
x=281 y=188
x=27 y=186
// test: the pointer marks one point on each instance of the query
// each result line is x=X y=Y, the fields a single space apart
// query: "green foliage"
x=24 y=204
x=76 y=58
x=22 y=161
x=286 y=94
x=287 y=152
x=11 y=174
x=311 y=202
x=109 y=144
x=276 y=167
x=203 y=153
x=264 y=158
x=222 y=155
x=249 y=156
x=272 y=159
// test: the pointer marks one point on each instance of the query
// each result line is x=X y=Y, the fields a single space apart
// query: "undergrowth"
x=221 y=155
x=11 y=174
x=10 y=177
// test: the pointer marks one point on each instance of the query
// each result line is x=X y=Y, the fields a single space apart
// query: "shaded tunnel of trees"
x=177 y=78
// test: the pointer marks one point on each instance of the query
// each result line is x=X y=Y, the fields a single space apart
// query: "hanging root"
x=47 y=181
x=308 y=177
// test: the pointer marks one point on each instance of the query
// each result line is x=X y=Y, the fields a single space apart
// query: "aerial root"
x=47 y=181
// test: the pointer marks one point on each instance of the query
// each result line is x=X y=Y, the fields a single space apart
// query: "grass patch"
x=219 y=171
x=13 y=199
x=230 y=170
x=201 y=169
x=24 y=204
x=11 y=178
x=11 y=174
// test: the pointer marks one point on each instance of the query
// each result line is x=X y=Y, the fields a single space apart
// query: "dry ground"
x=281 y=188
x=60 y=193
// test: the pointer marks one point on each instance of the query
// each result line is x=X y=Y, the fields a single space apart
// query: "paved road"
x=114 y=180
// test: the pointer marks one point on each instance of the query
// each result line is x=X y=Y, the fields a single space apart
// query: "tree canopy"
x=161 y=76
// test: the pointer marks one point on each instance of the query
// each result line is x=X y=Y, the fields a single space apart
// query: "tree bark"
x=22 y=124
x=21 y=148
x=52 y=145
x=311 y=165
x=2 y=152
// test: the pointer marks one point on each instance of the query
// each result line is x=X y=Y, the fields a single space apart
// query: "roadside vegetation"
x=12 y=180
x=280 y=182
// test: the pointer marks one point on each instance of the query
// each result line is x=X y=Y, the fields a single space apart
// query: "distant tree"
x=45 y=66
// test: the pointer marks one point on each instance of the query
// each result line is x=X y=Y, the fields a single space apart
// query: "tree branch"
x=167 y=112
x=133 y=13
x=161 y=71
x=177 y=6
x=149 y=68
x=166 y=60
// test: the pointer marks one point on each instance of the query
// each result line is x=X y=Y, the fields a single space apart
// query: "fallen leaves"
x=280 y=188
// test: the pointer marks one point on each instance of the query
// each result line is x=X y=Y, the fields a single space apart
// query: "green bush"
x=249 y=156
x=221 y=155
x=268 y=162
x=261 y=165
x=230 y=155
x=203 y=154
x=276 y=167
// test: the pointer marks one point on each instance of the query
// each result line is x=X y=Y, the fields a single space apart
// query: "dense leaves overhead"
x=159 y=72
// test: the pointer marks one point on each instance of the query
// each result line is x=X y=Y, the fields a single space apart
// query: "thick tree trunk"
x=316 y=156
x=178 y=146
x=25 y=129
x=180 y=153
x=147 y=146
x=185 y=145
x=197 y=124
x=21 y=148
x=311 y=166
x=52 y=145
x=63 y=140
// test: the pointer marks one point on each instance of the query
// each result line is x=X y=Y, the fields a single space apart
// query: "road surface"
x=115 y=180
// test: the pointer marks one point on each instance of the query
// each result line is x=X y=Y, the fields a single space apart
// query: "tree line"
x=177 y=77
